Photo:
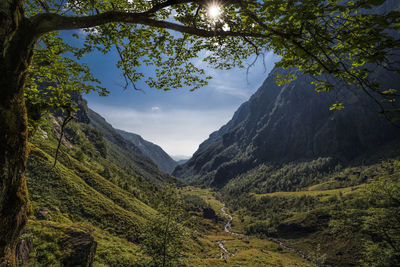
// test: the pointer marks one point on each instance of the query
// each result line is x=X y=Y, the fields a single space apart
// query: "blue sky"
x=177 y=120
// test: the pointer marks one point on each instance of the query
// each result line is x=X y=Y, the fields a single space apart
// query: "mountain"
x=164 y=162
x=92 y=206
x=101 y=204
x=291 y=123
x=182 y=161
x=125 y=153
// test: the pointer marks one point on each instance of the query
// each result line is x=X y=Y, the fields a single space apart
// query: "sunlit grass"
x=314 y=193
x=248 y=251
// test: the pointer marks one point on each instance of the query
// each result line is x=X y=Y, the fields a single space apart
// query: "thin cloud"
x=240 y=83
x=231 y=90
x=177 y=131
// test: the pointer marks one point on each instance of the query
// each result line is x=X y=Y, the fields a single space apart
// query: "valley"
x=222 y=247
x=94 y=206
x=105 y=202
x=305 y=172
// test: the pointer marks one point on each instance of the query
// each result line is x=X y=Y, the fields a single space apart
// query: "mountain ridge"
x=164 y=162
x=290 y=123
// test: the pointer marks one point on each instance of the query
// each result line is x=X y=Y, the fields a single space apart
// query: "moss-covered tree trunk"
x=16 y=44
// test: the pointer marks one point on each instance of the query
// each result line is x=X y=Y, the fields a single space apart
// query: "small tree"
x=373 y=218
x=165 y=234
x=382 y=222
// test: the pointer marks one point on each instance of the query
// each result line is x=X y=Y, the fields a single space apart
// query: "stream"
x=225 y=253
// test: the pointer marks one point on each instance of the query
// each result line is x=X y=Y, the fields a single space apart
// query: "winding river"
x=225 y=253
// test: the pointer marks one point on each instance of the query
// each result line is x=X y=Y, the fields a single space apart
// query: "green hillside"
x=348 y=216
x=85 y=191
x=97 y=204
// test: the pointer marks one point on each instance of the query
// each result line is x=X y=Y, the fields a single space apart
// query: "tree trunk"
x=16 y=46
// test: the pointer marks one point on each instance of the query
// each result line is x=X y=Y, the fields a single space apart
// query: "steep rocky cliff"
x=291 y=123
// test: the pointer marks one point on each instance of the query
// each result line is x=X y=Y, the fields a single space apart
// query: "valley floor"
x=241 y=250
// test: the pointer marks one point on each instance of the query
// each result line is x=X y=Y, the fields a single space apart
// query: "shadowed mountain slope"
x=291 y=123
x=124 y=152
x=164 y=162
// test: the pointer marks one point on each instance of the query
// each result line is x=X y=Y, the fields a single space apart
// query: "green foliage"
x=337 y=106
x=86 y=189
x=87 y=138
x=284 y=79
x=317 y=37
x=261 y=229
x=381 y=223
x=354 y=222
x=46 y=250
x=165 y=234
x=286 y=177
x=54 y=77
x=194 y=203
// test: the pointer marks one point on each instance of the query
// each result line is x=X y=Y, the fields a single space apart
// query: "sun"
x=214 y=11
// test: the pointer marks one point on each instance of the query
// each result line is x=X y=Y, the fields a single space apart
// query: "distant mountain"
x=124 y=152
x=164 y=162
x=182 y=161
x=291 y=123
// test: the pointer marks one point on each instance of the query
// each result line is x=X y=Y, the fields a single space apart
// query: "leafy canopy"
x=345 y=39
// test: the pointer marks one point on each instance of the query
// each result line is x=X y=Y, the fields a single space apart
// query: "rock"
x=81 y=247
x=23 y=249
x=291 y=123
x=42 y=214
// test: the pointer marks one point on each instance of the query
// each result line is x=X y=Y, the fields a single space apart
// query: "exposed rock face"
x=24 y=248
x=291 y=123
x=82 y=248
x=163 y=161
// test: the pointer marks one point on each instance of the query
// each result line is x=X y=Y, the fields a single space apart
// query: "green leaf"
x=337 y=106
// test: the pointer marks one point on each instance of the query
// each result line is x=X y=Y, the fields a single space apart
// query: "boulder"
x=23 y=249
x=81 y=247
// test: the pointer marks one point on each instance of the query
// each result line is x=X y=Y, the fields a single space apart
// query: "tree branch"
x=168 y=3
x=45 y=23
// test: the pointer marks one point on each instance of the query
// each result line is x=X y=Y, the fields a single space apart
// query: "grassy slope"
x=112 y=205
x=321 y=194
x=247 y=251
x=90 y=193
x=306 y=212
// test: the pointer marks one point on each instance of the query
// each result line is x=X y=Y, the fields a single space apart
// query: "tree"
x=164 y=237
x=382 y=222
x=373 y=218
x=319 y=37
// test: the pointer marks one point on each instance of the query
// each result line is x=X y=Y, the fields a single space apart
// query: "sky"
x=177 y=120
